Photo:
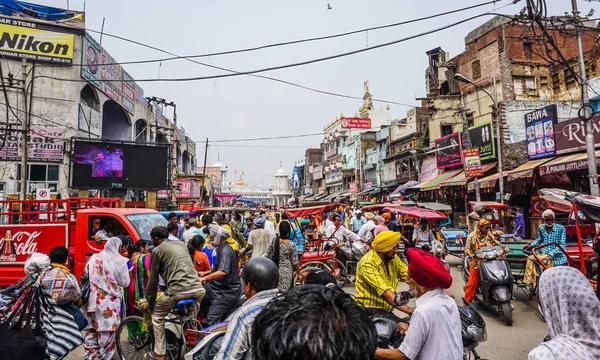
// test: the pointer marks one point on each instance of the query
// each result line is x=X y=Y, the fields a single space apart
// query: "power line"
x=263 y=138
x=260 y=146
x=285 y=43
x=302 y=63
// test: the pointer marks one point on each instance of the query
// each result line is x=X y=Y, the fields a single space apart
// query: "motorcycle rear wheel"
x=507 y=315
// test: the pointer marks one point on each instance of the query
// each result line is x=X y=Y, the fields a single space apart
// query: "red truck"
x=38 y=225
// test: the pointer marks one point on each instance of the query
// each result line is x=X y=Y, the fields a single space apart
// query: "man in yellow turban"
x=378 y=275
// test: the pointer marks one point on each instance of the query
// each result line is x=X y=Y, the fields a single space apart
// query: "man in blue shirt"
x=357 y=221
x=519 y=227
x=549 y=233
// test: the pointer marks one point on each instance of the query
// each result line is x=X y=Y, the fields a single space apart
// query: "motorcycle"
x=438 y=249
x=353 y=254
x=495 y=280
x=473 y=331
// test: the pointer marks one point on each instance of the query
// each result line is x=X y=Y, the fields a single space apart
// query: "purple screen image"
x=106 y=161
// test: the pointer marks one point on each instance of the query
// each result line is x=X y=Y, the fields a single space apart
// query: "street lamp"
x=495 y=120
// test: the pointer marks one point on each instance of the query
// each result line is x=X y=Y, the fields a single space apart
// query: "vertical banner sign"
x=539 y=132
x=90 y=70
x=482 y=137
x=448 y=150
x=110 y=73
x=472 y=162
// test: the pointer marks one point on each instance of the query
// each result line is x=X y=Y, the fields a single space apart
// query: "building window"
x=39 y=176
x=88 y=97
x=446 y=129
x=476 y=69
x=556 y=83
x=527 y=51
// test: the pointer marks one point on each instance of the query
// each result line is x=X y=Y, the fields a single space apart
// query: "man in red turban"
x=435 y=317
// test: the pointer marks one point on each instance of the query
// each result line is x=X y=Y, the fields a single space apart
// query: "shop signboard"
x=539 y=132
x=354 y=186
x=368 y=186
x=317 y=172
x=482 y=137
x=103 y=71
x=45 y=144
x=566 y=167
x=355 y=123
x=19 y=242
x=570 y=135
x=448 y=150
x=36 y=42
x=472 y=162
x=321 y=189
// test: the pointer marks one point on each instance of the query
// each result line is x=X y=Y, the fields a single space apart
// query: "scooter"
x=495 y=280
x=353 y=254
x=438 y=249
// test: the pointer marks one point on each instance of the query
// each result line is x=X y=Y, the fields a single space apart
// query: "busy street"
x=305 y=180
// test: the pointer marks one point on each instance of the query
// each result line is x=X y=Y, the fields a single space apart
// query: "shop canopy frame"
x=312 y=210
x=461 y=179
x=434 y=183
x=416 y=212
x=526 y=170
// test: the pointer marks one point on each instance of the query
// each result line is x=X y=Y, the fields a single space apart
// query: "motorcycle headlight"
x=490 y=255
x=478 y=334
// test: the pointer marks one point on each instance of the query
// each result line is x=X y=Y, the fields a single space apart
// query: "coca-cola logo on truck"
x=20 y=241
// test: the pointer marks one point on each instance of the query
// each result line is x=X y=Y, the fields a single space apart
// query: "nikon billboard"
x=32 y=41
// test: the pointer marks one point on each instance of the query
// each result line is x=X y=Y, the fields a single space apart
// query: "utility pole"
x=466 y=139
x=204 y=173
x=589 y=131
x=24 y=132
x=496 y=120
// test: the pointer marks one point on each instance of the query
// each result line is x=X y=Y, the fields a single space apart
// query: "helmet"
x=261 y=273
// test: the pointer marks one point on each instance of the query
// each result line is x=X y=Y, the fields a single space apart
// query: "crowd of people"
x=217 y=259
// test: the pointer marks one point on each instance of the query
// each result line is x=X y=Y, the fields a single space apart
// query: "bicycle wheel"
x=132 y=341
x=341 y=274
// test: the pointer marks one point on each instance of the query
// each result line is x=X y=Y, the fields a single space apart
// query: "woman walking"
x=284 y=254
x=109 y=274
x=140 y=259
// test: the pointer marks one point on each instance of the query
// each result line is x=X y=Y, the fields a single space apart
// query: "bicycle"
x=181 y=332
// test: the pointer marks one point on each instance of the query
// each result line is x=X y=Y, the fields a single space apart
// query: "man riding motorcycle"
x=259 y=281
x=377 y=277
x=476 y=240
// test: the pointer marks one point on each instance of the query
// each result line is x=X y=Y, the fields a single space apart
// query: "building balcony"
x=331 y=153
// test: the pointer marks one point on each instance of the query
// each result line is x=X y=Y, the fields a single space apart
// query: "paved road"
x=504 y=342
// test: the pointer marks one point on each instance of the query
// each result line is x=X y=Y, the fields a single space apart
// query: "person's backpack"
x=84 y=284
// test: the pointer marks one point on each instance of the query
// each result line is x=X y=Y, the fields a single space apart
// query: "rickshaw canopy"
x=308 y=211
x=177 y=212
x=562 y=200
x=416 y=212
x=380 y=206
x=489 y=204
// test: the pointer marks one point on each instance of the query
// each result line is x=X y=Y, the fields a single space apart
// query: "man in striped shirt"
x=260 y=278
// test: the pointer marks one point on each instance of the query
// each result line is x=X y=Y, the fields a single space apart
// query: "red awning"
x=489 y=204
x=416 y=212
x=379 y=206
x=308 y=211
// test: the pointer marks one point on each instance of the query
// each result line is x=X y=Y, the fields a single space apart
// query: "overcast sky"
x=248 y=107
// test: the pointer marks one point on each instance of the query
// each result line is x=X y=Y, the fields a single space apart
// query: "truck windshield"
x=144 y=223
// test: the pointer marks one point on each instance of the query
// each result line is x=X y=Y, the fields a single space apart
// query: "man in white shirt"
x=259 y=239
x=435 y=330
x=343 y=236
x=189 y=233
x=365 y=230
x=422 y=234
x=269 y=225
x=173 y=229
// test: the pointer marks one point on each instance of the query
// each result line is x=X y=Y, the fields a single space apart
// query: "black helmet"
x=261 y=273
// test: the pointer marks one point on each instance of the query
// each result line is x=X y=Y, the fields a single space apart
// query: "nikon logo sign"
x=34 y=42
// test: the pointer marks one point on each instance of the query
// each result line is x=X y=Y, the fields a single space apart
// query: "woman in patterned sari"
x=140 y=259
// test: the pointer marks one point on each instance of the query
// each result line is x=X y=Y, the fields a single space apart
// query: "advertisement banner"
x=482 y=137
x=570 y=135
x=45 y=144
x=566 y=167
x=318 y=172
x=368 y=186
x=20 y=241
x=354 y=186
x=472 y=162
x=102 y=70
x=321 y=189
x=448 y=150
x=355 y=123
x=139 y=95
x=539 y=132
x=22 y=39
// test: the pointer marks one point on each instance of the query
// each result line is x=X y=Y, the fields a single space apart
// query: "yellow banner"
x=36 y=44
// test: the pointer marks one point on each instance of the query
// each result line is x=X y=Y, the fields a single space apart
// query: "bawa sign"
x=21 y=39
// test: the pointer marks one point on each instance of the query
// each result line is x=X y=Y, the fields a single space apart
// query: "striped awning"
x=434 y=183
x=484 y=183
x=566 y=163
x=461 y=179
x=526 y=170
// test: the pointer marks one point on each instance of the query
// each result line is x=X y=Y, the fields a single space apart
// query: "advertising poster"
x=318 y=172
x=472 y=162
x=482 y=137
x=356 y=123
x=128 y=91
x=19 y=242
x=110 y=73
x=90 y=70
x=448 y=150
x=45 y=144
x=570 y=135
x=539 y=132
x=22 y=39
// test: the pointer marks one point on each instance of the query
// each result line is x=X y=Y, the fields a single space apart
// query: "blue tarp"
x=244 y=199
x=13 y=7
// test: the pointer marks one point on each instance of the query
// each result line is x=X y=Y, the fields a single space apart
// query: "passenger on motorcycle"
x=423 y=235
x=223 y=281
x=435 y=326
x=171 y=260
x=377 y=277
x=259 y=281
x=476 y=240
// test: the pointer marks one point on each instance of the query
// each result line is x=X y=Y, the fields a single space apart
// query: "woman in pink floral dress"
x=109 y=274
